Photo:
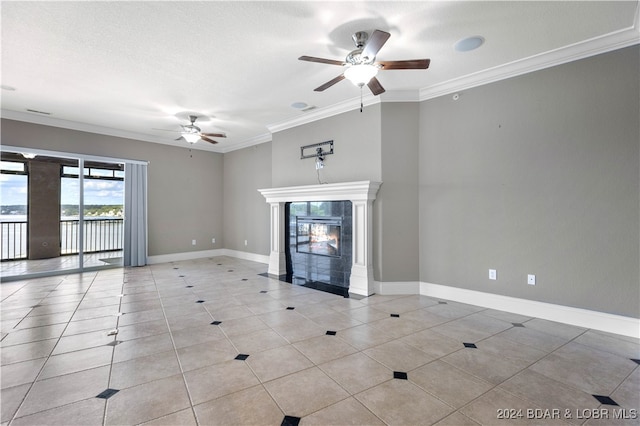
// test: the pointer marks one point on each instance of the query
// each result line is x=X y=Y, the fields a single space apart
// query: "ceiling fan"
x=192 y=133
x=361 y=63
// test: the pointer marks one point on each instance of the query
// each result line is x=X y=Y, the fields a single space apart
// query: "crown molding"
x=584 y=49
x=91 y=128
x=256 y=140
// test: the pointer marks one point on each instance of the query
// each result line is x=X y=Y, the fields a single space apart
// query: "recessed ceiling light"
x=9 y=88
x=299 y=105
x=468 y=44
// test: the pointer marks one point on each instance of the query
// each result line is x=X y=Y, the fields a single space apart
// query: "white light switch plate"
x=493 y=274
x=531 y=279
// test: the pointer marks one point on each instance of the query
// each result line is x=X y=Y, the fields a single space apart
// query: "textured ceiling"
x=127 y=68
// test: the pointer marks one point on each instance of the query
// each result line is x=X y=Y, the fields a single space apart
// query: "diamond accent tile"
x=216 y=323
x=395 y=315
x=603 y=399
x=470 y=345
x=107 y=393
x=400 y=375
x=637 y=361
x=331 y=333
x=242 y=357
x=263 y=291
x=245 y=279
x=517 y=324
x=200 y=301
x=189 y=286
x=290 y=421
x=290 y=308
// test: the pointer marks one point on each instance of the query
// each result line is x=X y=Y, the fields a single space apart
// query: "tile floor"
x=212 y=342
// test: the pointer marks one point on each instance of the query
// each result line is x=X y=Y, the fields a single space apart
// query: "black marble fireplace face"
x=319 y=244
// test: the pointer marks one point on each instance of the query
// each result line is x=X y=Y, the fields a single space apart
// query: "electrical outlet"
x=246 y=242
x=531 y=279
x=213 y=241
x=493 y=274
x=193 y=242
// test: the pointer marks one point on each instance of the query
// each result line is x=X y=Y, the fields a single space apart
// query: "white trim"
x=617 y=324
x=60 y=154
x=355 y=191
x=256 y=140
x=583 y=49
x=192 y=255
x=399 y=287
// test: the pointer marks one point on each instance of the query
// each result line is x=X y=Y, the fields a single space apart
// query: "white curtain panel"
x=135 y=216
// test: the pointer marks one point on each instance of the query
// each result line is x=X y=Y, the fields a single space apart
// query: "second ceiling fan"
x=361 y=63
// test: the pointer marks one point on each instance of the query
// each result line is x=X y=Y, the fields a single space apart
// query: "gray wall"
x=185 y=187
x=396 y=240
x=356 y=138
x=537 y=174
x=246 y=213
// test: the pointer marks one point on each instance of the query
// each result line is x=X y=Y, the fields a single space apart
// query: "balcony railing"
x=99 y=235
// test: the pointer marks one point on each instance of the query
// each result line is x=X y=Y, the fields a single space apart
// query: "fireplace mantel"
x=361 y=194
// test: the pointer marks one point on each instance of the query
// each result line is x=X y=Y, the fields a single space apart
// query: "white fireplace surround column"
x=361 y=194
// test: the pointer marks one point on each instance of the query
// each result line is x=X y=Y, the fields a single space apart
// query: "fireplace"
x=319 y=245
x=356 y=237
x=319 y=235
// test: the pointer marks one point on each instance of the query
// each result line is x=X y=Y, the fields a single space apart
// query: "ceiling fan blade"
x=320 y=60
x=215 y=135
x=206 y=139
x=329 y=83
x=375 y=43
x=411 y=64
x=375 y=86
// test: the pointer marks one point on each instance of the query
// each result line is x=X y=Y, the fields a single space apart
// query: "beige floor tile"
x=628 y=393
x=610 y=343
x=324 y=348
x=47 y=319
x=305 y=392
x=73 y=362
x=242 y=326
x=142 y=329
x=83 y=341
x=398 y=327
x=188 y=321
x=145 y=369
x=367 y=314
x=357 y=372
x=204 y=354
x=253 y=406
x=29 y=335
x=258 y=341
x=301 y=330
x=345 y=412
x=534 y=338
x=432 y=343
x=398 y=356
x=196 y=335
x=184 y=417
x=335 y=321
x=26 y=351
x=141 y=347
x=21 y=372
x=521 y=355
x=95 y=324
x=11 y=399
x=549 y=394
x=147 y=401
x=400 y=402
x=228 y=377
x=277 y=362
x=142 y=316
x=588 y=369
x=62 y=390
x=453 y=310
x=456 y=419
x=365 y=336
x=498 y=407
x=88 y=412
x=483 y=365
x=555 y=328
x=450 y=384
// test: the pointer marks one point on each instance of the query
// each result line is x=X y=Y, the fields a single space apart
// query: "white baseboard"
x=191 y=255
x=400 y=287
x=617 y=324
x=260 y=258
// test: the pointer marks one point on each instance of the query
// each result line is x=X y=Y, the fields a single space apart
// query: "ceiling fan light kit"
x=361 y=64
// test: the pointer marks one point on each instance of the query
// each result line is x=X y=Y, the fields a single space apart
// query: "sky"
x=13 y=191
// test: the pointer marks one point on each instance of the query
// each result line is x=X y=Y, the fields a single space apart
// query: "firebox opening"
x=319 y=235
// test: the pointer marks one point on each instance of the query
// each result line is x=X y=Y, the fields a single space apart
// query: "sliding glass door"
x=61 y=214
